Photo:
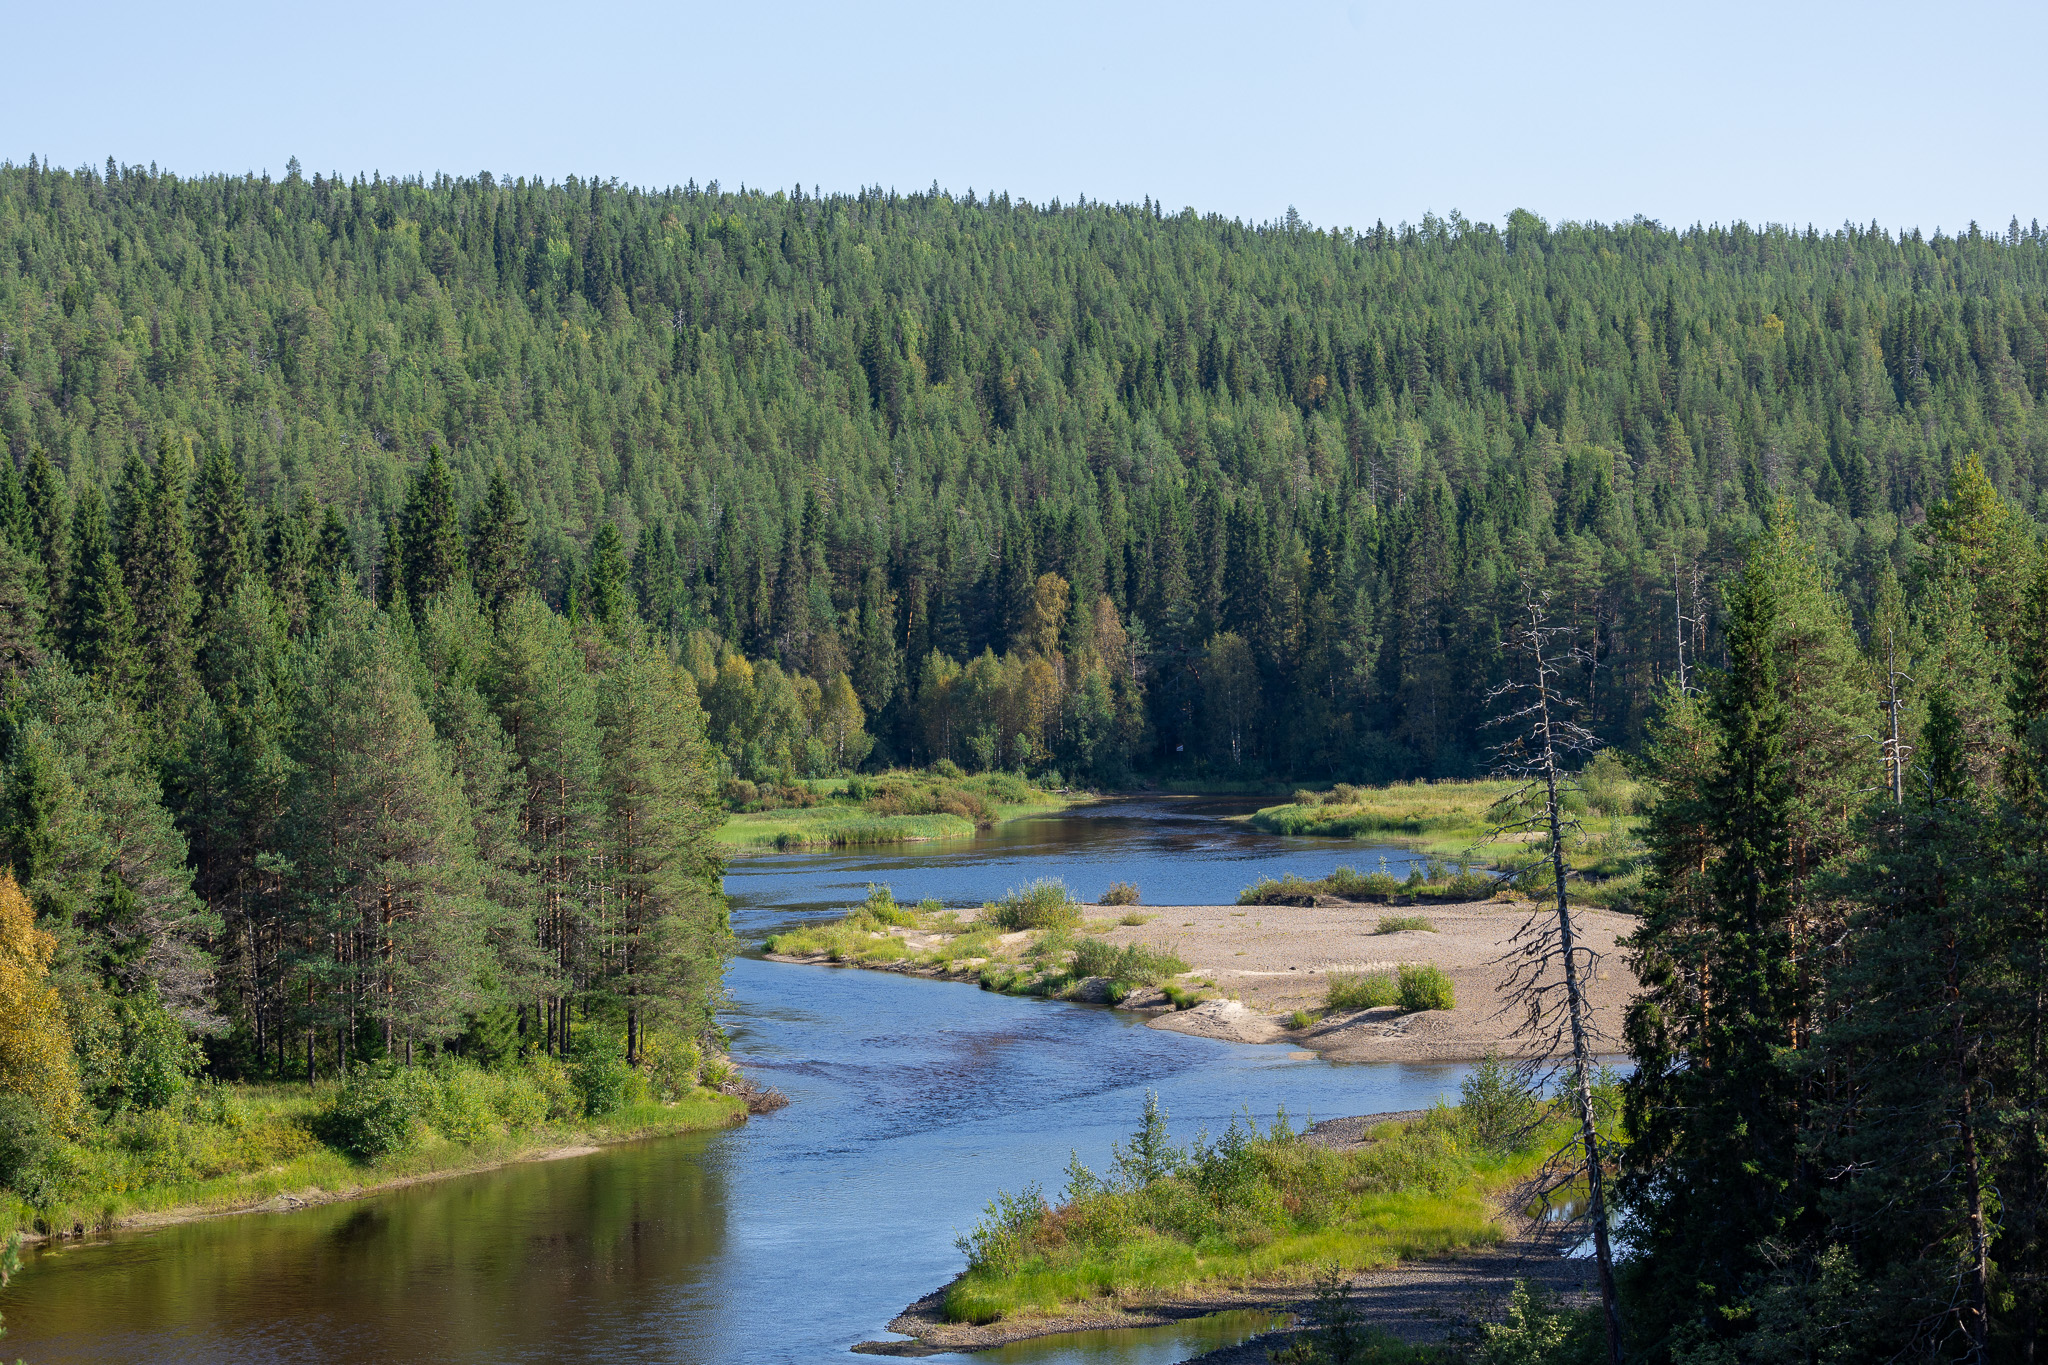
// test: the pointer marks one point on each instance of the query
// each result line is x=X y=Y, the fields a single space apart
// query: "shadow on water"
x=786 y=1240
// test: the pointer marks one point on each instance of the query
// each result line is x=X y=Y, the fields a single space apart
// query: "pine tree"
x=379 y=829
x=670 y=927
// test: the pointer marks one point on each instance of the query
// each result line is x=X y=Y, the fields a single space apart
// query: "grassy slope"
x=217 y=1168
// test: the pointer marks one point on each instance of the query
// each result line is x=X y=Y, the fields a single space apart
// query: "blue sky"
x=1352 y=111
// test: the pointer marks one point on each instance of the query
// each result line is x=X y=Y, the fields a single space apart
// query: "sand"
x=1275 y=959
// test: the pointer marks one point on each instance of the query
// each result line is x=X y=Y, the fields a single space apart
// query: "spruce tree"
x=99 y=620
x=606 y=596
x=157 y=569
x=430 y=531
x=1713 y=1169
x=48 y=521
x=224 y=544
x=498 y=531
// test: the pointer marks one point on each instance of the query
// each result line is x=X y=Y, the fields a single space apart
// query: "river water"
x=790 y=1238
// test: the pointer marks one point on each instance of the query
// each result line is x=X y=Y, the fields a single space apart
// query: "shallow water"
x=786 y=1240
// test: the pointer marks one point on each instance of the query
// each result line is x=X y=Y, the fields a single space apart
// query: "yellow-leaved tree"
x=35 y=1043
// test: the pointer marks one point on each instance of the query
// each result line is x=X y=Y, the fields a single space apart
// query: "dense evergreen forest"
x=391 y=572
x=1150 y=490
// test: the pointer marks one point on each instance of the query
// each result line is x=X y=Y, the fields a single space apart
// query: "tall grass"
x=1412 y=987
x=1138 y=963
x=1044 y=904
x=1250 y=1205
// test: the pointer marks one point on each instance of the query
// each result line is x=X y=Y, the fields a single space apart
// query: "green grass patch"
x=1411 y=986
x=1250 y=1206
x=225 y=1146
x=888 y=808
x=1402 y=924
x=1044 y=904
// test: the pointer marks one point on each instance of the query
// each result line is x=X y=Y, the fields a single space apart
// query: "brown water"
x=786 y=1240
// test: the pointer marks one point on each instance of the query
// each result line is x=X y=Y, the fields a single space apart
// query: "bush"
x=739 y=794
x=1044 y=904
x=880 y=910
x=949 y=770
x=378 y=1110
x=1425 y=987
x=1300 y=1019
x=463 y=1103
x=603 y=1080
x=160 y=1059
x=670 y=1064
x=1401 y=924
x=551 y=1078
x=1500 y=1103
x=518 y=1100
x=1351 y=991
x=1120 y=893
x=1287 y=890
x=24 y=1143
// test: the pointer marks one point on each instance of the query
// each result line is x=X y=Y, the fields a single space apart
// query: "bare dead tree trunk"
x=1546 y=734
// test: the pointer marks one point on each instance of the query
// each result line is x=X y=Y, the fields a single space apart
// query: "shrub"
x=1500 y=1103
x=463 y=1110
x=379 y=1109
x=1304 y=797
x=159 y=1057
x=1469 y=886
x=949 y=770
x=1287 y=890
x=603 y=1080
x=1131 y=919
x=1120 y=893
x=1425 y=987
x=1351 y=991
x=880 y=910
x=1044 y=904
x=518 y=1100
x=1401 y=924
x=24 y=1143
x=998 y=1241
x=670 y=1064
x=739 y=794
x=550 y=1077
x=1352 y=885
x=1300 y=1019
x=1183 y=997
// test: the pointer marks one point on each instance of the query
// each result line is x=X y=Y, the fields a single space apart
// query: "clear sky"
x=1352 y=110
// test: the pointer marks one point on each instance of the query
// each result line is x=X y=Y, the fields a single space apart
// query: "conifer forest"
x=398 y=577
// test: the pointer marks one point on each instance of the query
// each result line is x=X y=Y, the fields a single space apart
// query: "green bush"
x=1356 y=886
x=1500 y=1104
x=1287 y=890
x=1044 y=904
x=1352 y=991
x=550 y=1076
x=1425 y=987
x=378 y=1110
x=880 y=910
x=25 y=1142
x=159 y=1057
x=463 y=1103
x=1120 y=893
x=603 y=1080
x=517 y=1099
x=670 y=1062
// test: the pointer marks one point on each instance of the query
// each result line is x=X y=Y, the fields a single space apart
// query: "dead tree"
x=1551 y=963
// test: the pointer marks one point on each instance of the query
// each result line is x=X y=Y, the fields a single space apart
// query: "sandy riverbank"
x=1414 y=1300
x=1267 y=961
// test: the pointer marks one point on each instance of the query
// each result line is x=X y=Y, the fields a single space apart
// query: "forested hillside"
x=1097 y=486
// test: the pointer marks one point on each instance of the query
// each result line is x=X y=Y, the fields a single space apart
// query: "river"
x=788 y=1239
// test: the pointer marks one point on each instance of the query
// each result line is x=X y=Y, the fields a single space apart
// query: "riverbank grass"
x=1034 y=941
x=891 y=808
x=218 y=1148
x=1454 y=823
x=1251 y=1206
